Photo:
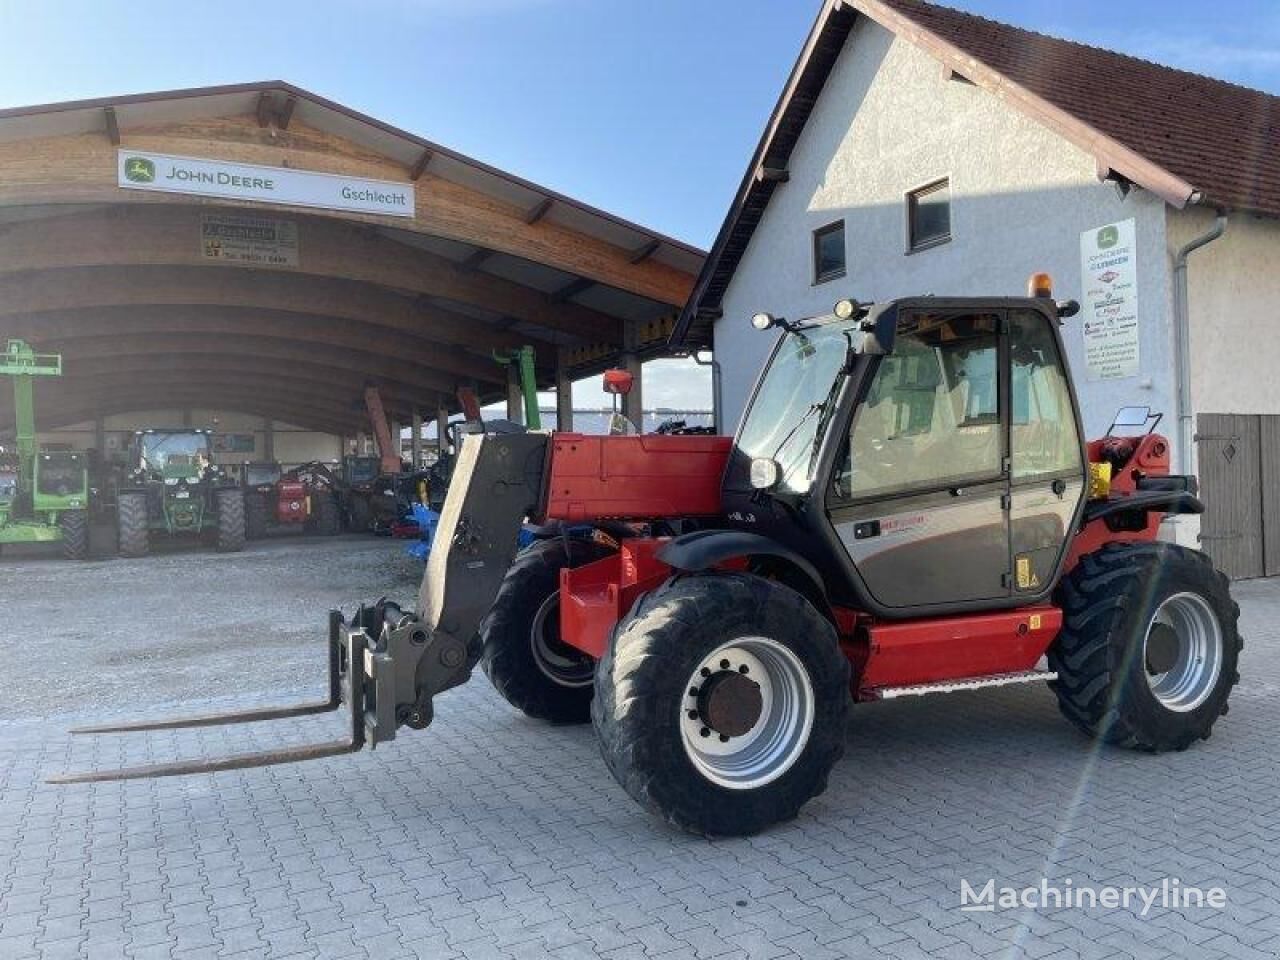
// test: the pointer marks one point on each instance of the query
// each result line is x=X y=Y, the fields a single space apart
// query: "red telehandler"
x=909 y=507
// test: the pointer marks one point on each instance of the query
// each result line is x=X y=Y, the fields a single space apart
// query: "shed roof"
x=1185 y=137
x=117 y=280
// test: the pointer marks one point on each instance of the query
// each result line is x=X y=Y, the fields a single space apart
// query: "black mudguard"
x=704 y=549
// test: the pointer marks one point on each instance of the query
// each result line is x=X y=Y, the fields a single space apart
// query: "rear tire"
x=523 y=656
x=132 y=524
x=662 y=733
x=255 y=516
x=328 y=522
x=1149 y=647
x=361 y=514
x=75 y=534
x=230 y=504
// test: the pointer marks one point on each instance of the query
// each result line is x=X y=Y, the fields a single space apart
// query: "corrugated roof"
x=1185 y=137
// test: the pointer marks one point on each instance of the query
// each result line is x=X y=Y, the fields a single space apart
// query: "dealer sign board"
x=1109 y=307
x=246 y=181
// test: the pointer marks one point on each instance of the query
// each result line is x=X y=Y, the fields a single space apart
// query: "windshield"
x=362 y=469
x=261 y=474
x=162 y=451
x=791 y=402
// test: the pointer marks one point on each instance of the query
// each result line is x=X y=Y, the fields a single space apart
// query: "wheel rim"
x=558 y=662
x=721 y=737
x=1182 y=652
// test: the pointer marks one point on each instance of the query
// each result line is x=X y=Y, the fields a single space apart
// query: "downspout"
x=1182 y=338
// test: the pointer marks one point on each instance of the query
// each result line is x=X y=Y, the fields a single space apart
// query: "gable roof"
x=283 y=102
x=1187 y=138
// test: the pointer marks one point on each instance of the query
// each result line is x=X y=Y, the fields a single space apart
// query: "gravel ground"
x=187 y=624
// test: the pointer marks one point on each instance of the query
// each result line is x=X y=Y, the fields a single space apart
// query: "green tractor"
x=44 y=494
x=177 y=491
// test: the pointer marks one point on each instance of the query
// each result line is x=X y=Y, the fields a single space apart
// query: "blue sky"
x=648 y=109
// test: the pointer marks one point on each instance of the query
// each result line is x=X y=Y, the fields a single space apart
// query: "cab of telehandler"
x=926 y=455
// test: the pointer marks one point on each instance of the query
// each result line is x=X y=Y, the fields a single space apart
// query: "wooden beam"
x=538 y=210
x=89 y=288
x=250 y=324
x=113 y=126
x=476 y=260
x=228 y=382
x=772 y=174
x=285 y=115
x=81 y=169
x=169 y=236
x=571 y=290
x=322 y=373
x=420 y=167
x=90 y=407
x=644 y=252
x=265 y=109
x=283 y=351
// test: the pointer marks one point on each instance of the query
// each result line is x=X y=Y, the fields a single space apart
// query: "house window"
x=929 y=215
x=828 y=252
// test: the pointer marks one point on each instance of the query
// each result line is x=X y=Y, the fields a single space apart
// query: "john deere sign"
x=244 y=181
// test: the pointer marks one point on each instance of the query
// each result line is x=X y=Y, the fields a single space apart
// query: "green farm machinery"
x=175 y=490
x=44 y=494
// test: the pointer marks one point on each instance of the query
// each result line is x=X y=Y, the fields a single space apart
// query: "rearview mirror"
x=1132 y=417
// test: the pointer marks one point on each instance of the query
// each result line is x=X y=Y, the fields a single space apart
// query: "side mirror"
x=618 y=382
x=1132 y=417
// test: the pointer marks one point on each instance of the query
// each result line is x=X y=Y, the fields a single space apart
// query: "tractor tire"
x=522 y=654
x=707 y=660
x=328 y=519
x=360 y=514
x=132 y=524
x=231 y=527
x=75 y=534
x=255 y=516
x=1148 y=651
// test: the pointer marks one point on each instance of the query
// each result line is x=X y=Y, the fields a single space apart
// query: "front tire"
x=75 y=534
x=1149 y=647
x=255 y=516
x=721 y=703
x=132 y=525
x=230 y=520
x=524 y=657
x=328 y=520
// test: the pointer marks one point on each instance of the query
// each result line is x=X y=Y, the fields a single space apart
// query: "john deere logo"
x=139 y=170
x=1108 y=237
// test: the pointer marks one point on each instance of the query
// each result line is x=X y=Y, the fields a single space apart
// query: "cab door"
x=920 y=502
x=1047 y=460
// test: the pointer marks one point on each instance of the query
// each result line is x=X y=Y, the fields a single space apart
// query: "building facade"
x=907 y=177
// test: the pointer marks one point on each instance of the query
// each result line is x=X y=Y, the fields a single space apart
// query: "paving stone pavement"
x=491 y=836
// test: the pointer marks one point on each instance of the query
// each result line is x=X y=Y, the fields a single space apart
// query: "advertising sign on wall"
x=246 y=181
x=1109 y=305
x=233 y=443
x=252 y=240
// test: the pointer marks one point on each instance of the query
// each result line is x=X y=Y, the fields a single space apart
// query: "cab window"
x=932 y=414
x=1043 y=436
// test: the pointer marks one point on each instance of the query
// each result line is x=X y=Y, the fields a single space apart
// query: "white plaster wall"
x=1233 y=293
x=887 y=122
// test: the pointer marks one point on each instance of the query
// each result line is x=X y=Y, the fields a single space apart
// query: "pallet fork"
x=386 y=665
